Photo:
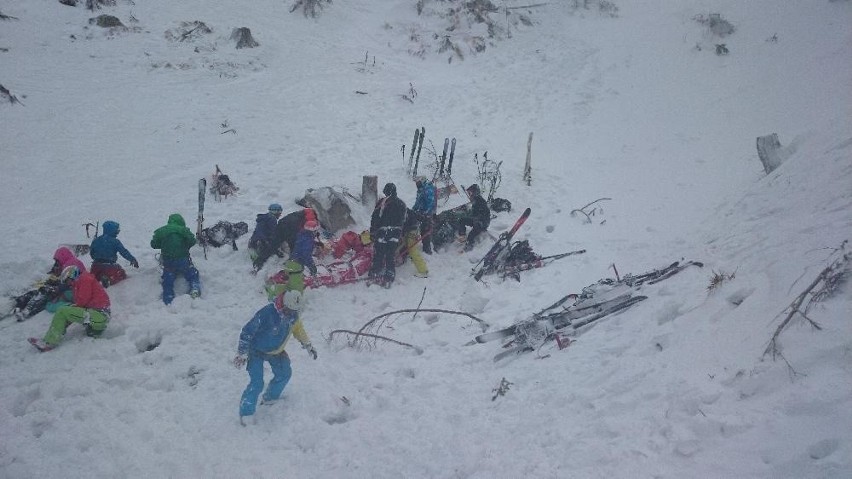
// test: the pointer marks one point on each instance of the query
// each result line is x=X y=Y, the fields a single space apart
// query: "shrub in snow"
x=310 y=8
x=106 y=21
x=188 y=31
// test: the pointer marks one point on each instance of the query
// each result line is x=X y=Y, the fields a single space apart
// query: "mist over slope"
x=636 y=108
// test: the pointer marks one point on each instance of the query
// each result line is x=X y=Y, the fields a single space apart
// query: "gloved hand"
x=310 y=349
x=240 y=361
x=134 y=263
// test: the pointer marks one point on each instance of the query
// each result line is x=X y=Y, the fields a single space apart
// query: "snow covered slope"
x=636 y=108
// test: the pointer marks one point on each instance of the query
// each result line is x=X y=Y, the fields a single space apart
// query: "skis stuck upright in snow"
x=598 y=300
x=202 y=191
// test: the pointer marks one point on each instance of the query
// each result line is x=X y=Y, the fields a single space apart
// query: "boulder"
x=331 y=206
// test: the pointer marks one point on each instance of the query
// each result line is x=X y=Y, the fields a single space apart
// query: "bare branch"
x=588 y=214
x=355 y=343
x=373 y=321
x=829 y=279
x=422 y=297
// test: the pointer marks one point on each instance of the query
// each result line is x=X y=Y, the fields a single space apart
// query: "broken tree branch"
x=371 y=322
x=589 y=214
x=830 y=278
x=422 y=297
x=355 y=343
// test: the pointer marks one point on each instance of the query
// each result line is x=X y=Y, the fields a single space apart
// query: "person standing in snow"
x=425 y=206
x=477 y=216
x=303 y=249
x=264 y=230
x=386 y=231
x=90 y=307
x=411 y=236
x=174 y=240
x=104 y=251
x=262 y=339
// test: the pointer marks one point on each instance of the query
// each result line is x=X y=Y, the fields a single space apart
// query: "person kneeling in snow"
x=174 y=240
x=105 y=250
x=90 y=307
x=263 y=339
x=265 y=229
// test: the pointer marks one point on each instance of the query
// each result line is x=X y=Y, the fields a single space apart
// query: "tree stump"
x=767 y=150
x=243 y=38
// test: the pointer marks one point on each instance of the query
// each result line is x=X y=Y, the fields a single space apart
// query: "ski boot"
x=41 y=345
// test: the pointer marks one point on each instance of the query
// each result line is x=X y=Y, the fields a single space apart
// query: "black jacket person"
x=386 y=232
x=478 y=217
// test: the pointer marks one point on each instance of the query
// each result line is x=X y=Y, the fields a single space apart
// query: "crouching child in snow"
x=105 y=250
x=90 y=307
x=263 y=339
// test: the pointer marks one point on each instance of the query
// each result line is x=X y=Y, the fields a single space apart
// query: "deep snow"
x=121 y=126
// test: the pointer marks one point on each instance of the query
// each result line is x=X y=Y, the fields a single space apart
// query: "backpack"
x=223 y=233
x=222 y=185
x=500 y=204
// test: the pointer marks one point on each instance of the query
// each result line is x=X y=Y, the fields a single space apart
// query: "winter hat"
x=111 y=228
x=473 y=189
x=275 y=208
x=389 y=189
x=311 y=225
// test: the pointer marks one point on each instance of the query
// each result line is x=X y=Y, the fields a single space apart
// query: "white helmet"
x=292 y=300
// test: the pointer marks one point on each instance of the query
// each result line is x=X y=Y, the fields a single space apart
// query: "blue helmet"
x=275 y=208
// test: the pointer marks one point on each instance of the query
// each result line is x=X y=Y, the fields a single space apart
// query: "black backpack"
x=223 y=233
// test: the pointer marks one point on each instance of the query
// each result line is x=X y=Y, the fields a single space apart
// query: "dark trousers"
x=427 y=222
x=383 y=268
x=183 y=267
x=476 y=227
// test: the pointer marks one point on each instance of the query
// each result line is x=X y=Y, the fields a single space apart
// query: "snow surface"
x=121 y=125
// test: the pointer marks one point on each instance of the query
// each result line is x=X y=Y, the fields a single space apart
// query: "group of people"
x=77 y=295
x=397 y=229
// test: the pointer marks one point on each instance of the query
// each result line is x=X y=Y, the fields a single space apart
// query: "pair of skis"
x=447 y=161
x=513 y=270
x=589 y=306
x=577 y=315
x=416 y=146
x=533 y=333
x=492 y=260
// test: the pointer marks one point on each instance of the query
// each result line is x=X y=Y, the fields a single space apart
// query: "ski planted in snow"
x=419 y=147
x=452 y=154
x=443 y=159
x=202 y=190
x=411 y=153
x=489 y=263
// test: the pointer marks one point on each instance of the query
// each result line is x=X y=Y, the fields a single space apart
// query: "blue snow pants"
x=281 y=373
x=184 y=267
